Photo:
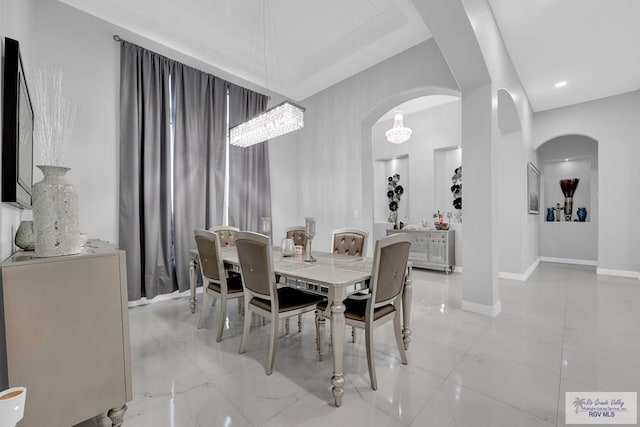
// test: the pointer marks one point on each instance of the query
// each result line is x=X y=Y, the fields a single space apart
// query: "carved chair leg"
x=370 y=355
x=397 y=329
x=272 y=343
x=204 y=309
x=245 y=329
x=223 y=318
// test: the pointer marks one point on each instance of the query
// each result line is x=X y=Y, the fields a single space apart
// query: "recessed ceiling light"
x=566 y=160
x=561 y=84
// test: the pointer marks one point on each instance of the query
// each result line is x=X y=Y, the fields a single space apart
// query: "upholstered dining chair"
x=299 y=235
x=261 y=293
x=227 y=237
x=349 y=241
x=215 y=281
x=226 y=233
x=382 y=303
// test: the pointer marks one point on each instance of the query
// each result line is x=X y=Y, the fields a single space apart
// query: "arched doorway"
x=434 y=117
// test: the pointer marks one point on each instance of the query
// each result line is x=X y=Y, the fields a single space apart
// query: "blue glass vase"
x=551 y=214
x=582 y=214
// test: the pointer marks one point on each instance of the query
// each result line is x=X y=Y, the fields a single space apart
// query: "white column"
x=480 y=277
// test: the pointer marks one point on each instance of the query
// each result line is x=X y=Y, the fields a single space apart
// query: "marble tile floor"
x=565 y=329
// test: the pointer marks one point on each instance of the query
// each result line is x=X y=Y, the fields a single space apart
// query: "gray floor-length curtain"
x=249 y=182
x=145 y=200
x=199 y=159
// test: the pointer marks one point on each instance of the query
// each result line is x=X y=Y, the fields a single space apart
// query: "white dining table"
x=334 y=276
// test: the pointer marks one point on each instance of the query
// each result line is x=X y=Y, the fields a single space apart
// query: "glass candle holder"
x=265 y=225
x=310 y=230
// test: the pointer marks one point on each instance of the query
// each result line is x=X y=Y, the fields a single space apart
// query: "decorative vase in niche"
x=25 y=238
x=551 y=214
x=568 y=187
x=55 y=214
x=568 y=208
x=582 y=214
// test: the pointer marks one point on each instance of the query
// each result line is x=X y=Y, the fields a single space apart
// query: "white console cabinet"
x=67 y=335
x=434 y=249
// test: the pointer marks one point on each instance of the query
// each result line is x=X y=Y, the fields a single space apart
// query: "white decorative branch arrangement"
x=54 y=115
x=54 y=200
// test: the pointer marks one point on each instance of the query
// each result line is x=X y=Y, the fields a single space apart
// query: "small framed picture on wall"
x=533 y=189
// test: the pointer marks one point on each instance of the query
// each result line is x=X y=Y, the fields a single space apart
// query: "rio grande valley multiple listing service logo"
x=601 y=407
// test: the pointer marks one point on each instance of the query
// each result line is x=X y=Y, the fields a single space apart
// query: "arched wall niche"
x=376 y=162
x=563 y=236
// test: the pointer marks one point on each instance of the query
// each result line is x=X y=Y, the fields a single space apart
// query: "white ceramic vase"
x=55 y=214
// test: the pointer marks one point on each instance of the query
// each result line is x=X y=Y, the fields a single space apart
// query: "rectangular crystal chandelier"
x=279 y=120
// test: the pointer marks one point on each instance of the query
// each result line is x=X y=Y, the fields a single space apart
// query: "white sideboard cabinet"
x=434 y=249
x=67 y=335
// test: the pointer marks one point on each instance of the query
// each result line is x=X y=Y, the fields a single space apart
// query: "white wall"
x=512 y=203
x=332 y=171
x=82 y=47
x=613 y=123
x=16 y=22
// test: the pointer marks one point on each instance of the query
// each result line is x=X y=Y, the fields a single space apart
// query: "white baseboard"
x=619 y=273
x=163 y=297
x=511 y=276
x=486 y=310
x=569 y=261
x=531 y=268
x=521 y=277
x=457 y=269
